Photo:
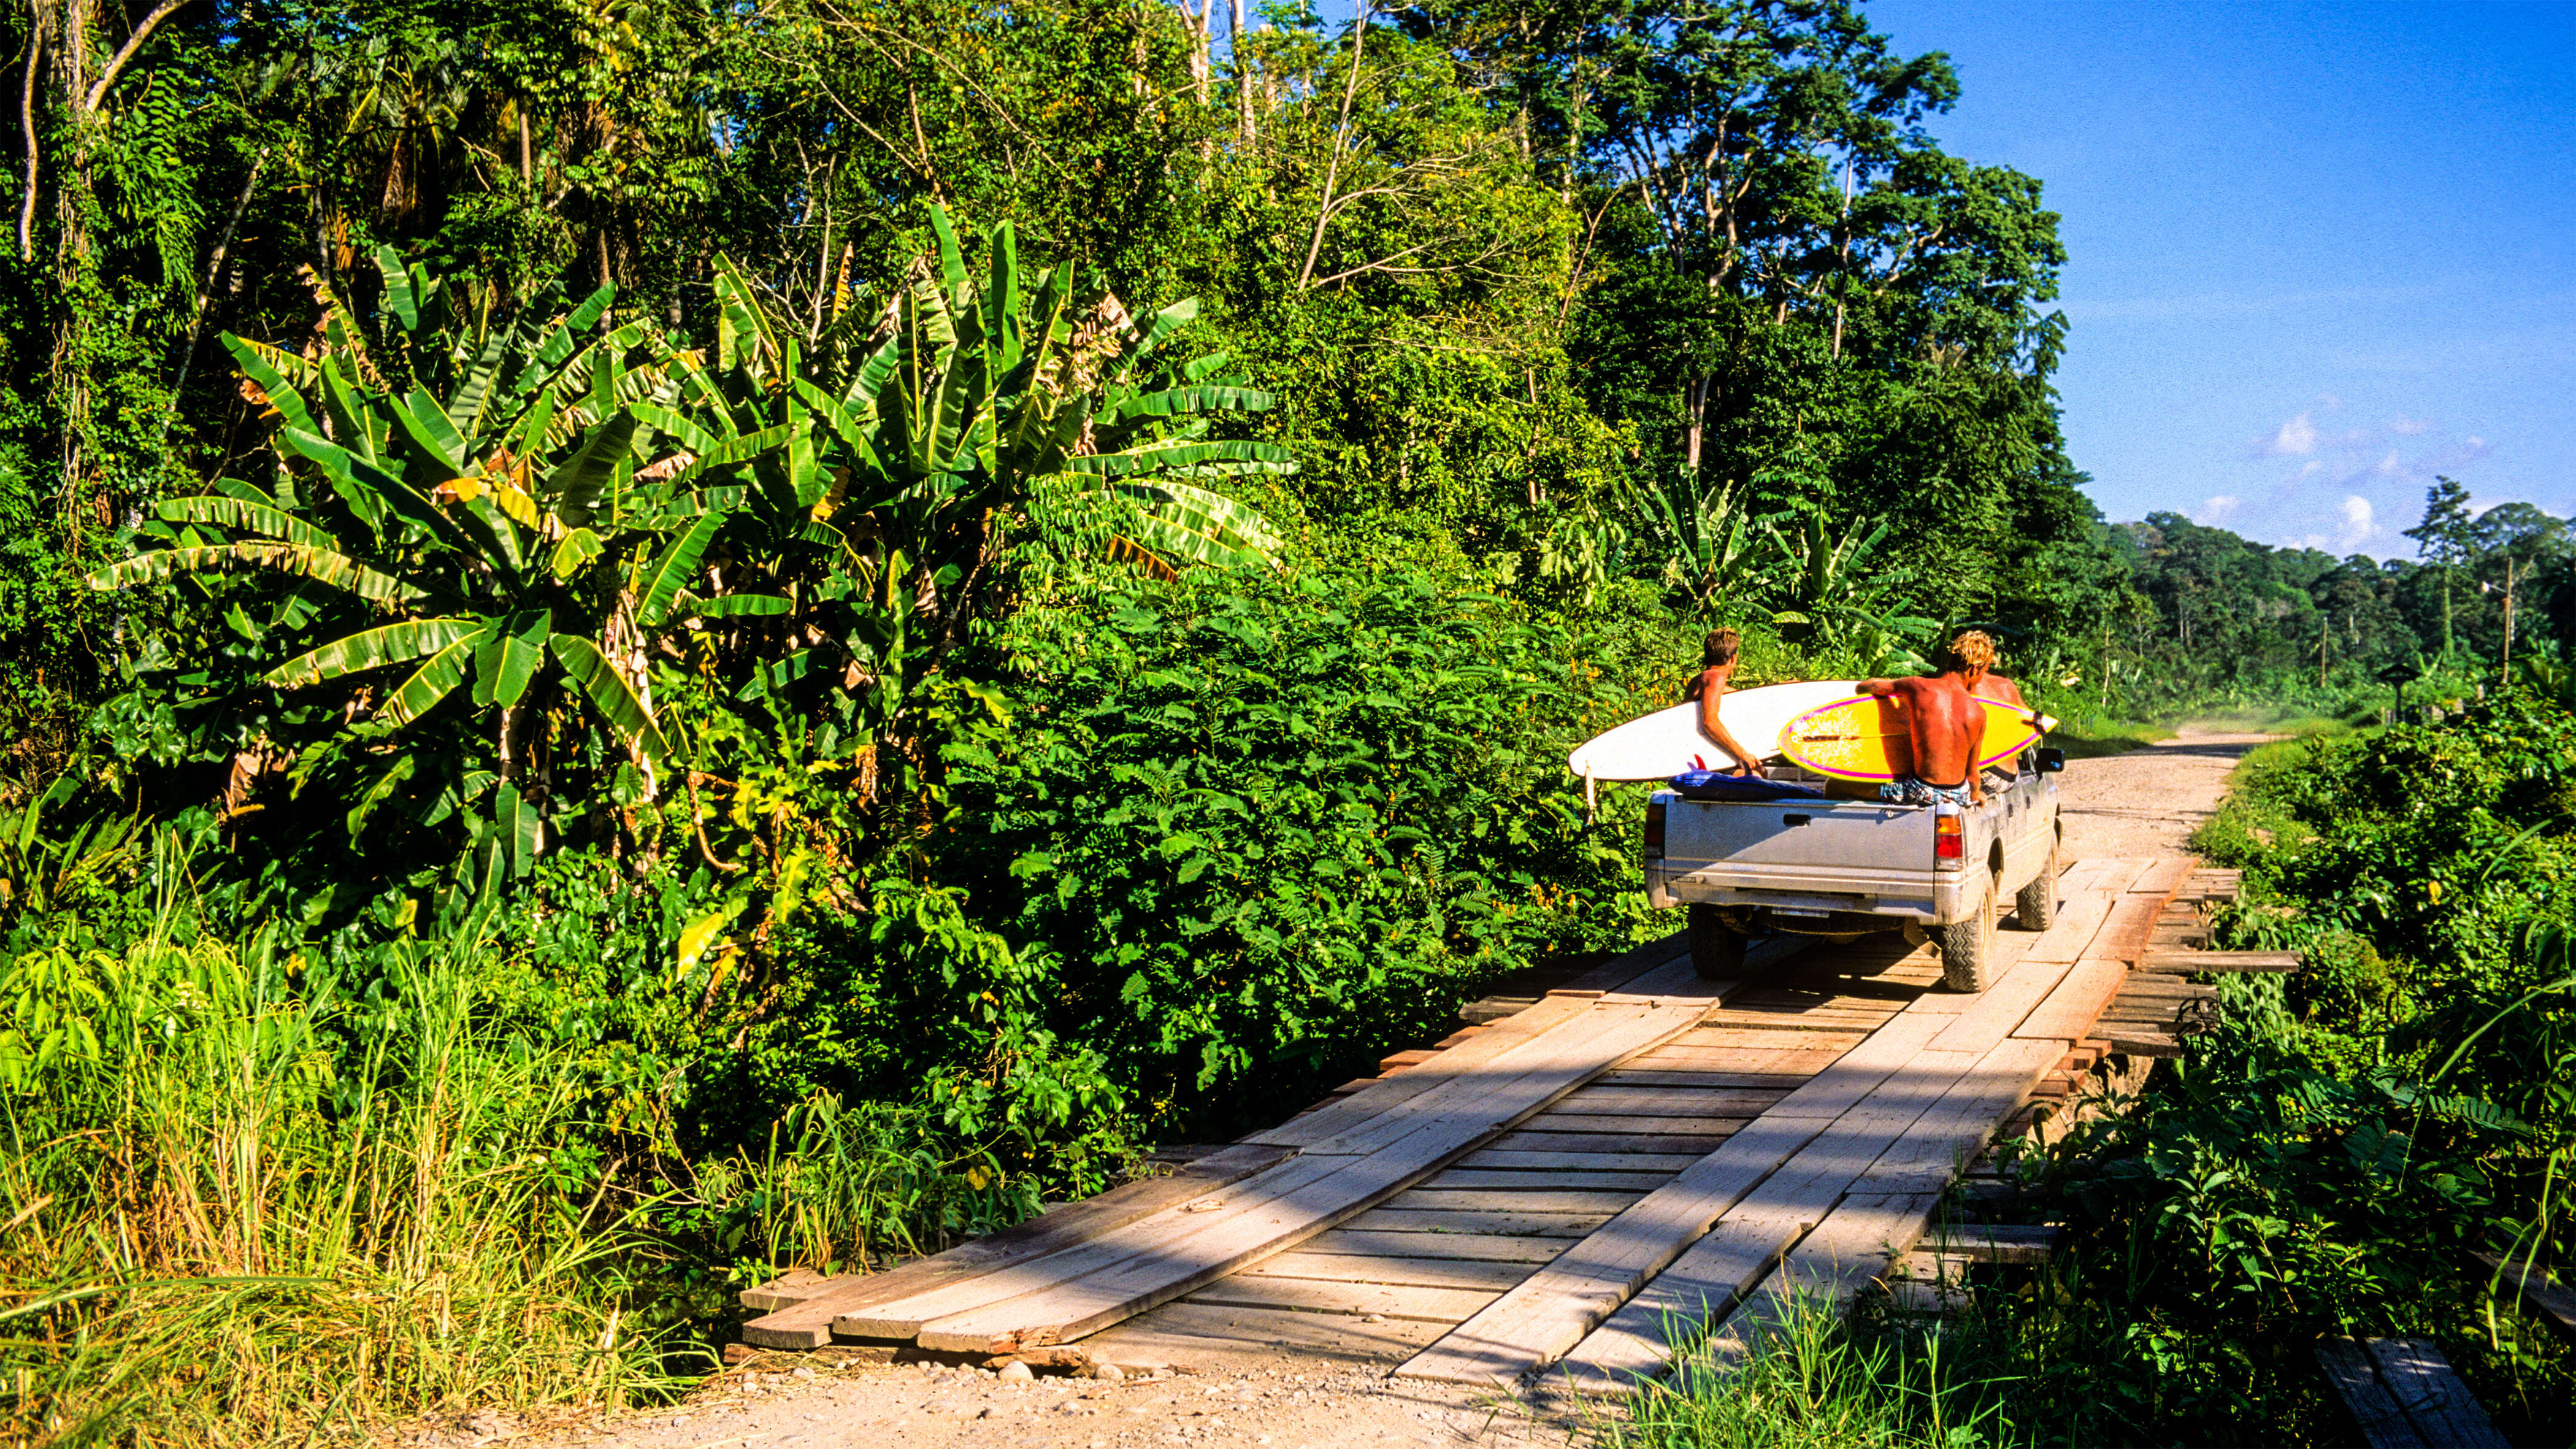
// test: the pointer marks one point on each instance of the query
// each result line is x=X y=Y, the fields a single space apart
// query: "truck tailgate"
x=1848 y=834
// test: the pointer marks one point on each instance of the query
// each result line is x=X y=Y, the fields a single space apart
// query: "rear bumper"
x=1795 y=893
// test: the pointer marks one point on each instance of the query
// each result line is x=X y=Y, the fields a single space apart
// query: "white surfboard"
x=1662 y=744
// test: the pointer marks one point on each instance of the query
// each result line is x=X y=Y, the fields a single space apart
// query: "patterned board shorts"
x=1910 y=791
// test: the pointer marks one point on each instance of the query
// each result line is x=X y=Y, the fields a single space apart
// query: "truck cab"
x=1845 y=868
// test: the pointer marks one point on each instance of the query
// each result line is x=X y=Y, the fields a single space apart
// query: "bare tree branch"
x=27 y=119
x=1341 y=135
x=125 y=56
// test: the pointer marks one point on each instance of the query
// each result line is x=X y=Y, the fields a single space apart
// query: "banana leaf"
x=261 y=517
x=611 y=695
x=372 y=649
x=323 y=566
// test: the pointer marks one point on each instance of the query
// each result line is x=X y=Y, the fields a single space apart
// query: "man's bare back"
x=1943 y=726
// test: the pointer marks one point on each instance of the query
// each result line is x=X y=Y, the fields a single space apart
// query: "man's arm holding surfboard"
x=1711 y=687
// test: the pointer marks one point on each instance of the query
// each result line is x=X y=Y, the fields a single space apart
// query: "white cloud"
x=2298 y=435
x=2410 y=427
x=2360 y=522
x=2216 y=511
x=2389 y=466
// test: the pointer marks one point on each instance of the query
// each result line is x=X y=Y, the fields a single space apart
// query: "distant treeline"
x=2207 y=610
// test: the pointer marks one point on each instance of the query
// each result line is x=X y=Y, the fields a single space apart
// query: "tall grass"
x=1814 y=1379
x=237 y=1208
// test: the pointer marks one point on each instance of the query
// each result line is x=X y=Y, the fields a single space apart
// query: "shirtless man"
x=1944 y=724
x=1717 y=666
x=1975 y=645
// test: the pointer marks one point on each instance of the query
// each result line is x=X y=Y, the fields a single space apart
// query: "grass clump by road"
x=226 y=1228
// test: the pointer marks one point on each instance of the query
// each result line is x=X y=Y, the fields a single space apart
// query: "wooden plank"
x=1306 y=1295
x=2355 y=1380
x=2143 y=1044
x=2541 y=1293
x=1557 y=1306
x=1378 y=1097
x=807 y=1325
x=1801 y=1193
x=2162 y=878
x=791 y=1287
x=1855 y=1246
x=1527 y=1181
x=1163 y=1256
x=1767 y=1039
x=1597 y=1100
x=1393 y=1243
x=1857 y=1072
x=1878 y=999
x=2445 y=1414
x=1490 y=1200
x=1630 y=1348
x=2121 y=874
x=1812 y=1019
x=1558 y=1119
x=2076 y=1002
x=2002 y=1006
x=1949 y=1133
x=1551 y=1161
x=2010 y=1243
x=1519 y=1081
x=1506 y=1224
x=1713 y=1062
x=2186 y=962
x=2078 y=919
x=2125 y=929
x=1481 y=1274
x=1778 y=1083
x=1207 y=1337
x=2084 y=875
x=1598 y=1143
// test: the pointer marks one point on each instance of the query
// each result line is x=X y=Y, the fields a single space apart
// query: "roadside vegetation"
x=642 y=646
x=2333 y=1159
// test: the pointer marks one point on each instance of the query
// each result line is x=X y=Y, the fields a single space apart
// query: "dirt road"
x=2143 y=803
x=2148 y=802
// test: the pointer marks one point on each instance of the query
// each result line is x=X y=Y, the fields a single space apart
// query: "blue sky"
x=2317 y=253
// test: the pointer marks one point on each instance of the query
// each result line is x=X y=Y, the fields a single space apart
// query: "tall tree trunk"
x=1694 y=417
x=1242 y=71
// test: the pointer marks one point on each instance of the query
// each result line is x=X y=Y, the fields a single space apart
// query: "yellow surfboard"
x=1865 y=738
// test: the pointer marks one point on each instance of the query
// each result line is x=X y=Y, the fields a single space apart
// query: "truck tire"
x=1968 y=947
x=1716 y=950
x=2035 y=907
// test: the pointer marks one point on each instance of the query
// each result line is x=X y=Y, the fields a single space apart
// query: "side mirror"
x=2051 y=761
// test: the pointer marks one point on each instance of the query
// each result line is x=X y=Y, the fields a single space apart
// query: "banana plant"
x=916 y=435
x=465 y=525
x=1839 y=587
x=1704 y=530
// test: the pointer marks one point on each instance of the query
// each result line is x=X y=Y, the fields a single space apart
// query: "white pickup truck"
x=1844 y=868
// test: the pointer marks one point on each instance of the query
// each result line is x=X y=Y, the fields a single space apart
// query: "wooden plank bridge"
x=1556 y=1192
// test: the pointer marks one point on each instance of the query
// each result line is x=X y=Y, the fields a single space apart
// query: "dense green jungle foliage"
x=644 y=643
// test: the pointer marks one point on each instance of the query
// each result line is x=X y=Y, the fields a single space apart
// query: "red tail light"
x=1654 y=827
x=1949 y=848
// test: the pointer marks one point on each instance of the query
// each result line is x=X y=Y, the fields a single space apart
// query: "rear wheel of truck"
x=1716 y=949
x=1968 y=947
x=2036 y=906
